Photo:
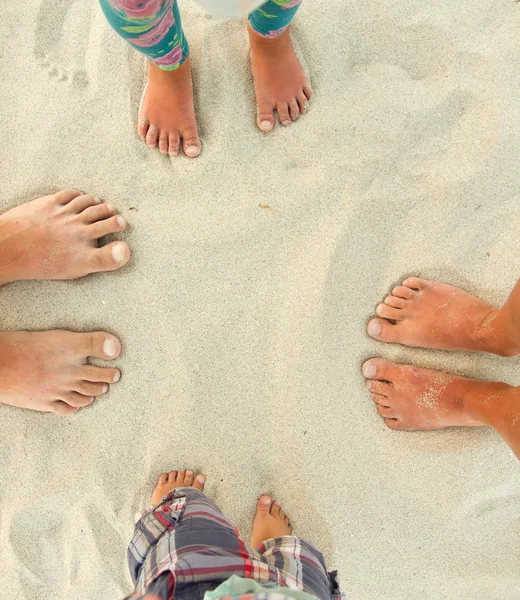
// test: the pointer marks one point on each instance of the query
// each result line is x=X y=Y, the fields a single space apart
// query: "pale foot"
x=411 y=399
x=56 y=237
x=280 y=82
x=270 y=522
x=176 y=479
x=429 y=314
x=49 y=371
x=167 y=114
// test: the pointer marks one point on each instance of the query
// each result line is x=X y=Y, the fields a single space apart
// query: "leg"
x=420 y=399
x=297 y=562
x=280 y=82
x=429 y=314
x=153 y=27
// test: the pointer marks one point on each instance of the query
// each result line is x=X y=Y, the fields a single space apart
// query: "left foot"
x=412 y=399
x=176 y=479
x=280 y=82
x=270 y=521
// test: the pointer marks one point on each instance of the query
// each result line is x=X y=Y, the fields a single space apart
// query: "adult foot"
x=56 y=237
x=270 y=521
x=167 y=115
x=49 y=371
x=429 y=314
x=175 y=479
x=280 y=82
x=411 y=399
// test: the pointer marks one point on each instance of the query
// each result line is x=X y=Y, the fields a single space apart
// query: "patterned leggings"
x=154 y=26
x=185 y=546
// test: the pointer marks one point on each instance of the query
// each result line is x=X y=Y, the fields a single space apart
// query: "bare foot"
x=49 y=371
x=270 y=522
x=167 y=114
x=280 y=82
x=175 y=479
x=429 y=314
x=56 y=237
x=421 y=399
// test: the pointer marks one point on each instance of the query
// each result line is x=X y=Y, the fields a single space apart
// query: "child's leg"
x=280 y=82
x=153 y=27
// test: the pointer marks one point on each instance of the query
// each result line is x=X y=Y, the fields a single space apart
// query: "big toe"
x=191 y=142
x=101 y=345
x=200 y=480
x=382 y=330
x=378 y=368
x=265 y=117
x=110 y=257
x=263 y=506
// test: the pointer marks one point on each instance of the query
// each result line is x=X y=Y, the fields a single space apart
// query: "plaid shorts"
x=185 y=546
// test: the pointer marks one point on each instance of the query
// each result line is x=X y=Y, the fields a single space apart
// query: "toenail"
x=118 y=252
x=110 y=207
x=109 y=347
x=266 y=124
x=192 y=149
x=369 y=370
x=105 y=389
x=266 y=501
x=121 y=221
x=97 y=200
x=202 y=479
x=374 y=329
x=117 y=377
x=189 y=473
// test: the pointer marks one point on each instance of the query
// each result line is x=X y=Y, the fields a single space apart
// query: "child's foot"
x=175 y=479
x=167 y=115
x=280 y=82
x=429 y=314
x=56 y=237
x=270 y=522
x=49 y=371
x=420 y=399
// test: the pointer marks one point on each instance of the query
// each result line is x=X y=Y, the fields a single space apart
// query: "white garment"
x=230 y=8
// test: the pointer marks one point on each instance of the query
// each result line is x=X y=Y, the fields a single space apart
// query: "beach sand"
x=243 y=328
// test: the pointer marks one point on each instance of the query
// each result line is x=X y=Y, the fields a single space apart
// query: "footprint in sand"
x=62 y=31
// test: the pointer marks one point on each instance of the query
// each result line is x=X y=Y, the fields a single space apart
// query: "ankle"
x=257 y=40
x=489 y=403
x=496 y=333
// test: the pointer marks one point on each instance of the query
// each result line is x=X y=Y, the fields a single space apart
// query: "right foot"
x=429 y=314
x=270 y=522
x=167 y=114
x=56 y=237
x=49 y=371
x=175 y=479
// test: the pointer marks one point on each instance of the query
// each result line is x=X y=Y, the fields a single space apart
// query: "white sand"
x=244 y=329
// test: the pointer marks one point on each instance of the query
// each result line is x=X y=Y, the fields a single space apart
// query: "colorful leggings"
x=154 y=26
x=185 y=546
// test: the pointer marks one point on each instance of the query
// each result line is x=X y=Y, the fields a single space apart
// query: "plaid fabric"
x=185 y=546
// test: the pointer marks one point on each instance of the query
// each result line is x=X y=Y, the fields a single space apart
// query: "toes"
x=307 y=90
x=172 y=476
x=395 y=302
x=163 y=143
x=110 y=257
x=151 y=136
x=294 y=109
x=191 y=143
x=99 y=374
x=387 y=312
x=188 y=478
x=403 y=292
x=101 y=228
x=264 y=504
x=200 y=480
x=378 y=399
x=283 y=113
x=142 y=128
x=385 y=411
x=303 y=103
x=163 y=478
x=275 y=508
x=101 y=345
x=382 y=330
x=65 y=196
x=63 y=409
x=378 y=368
x=264 y=117
x=98 y=212
x=77 y=400
x=415 y=283
x=378 y=387
x=88 y=388
x=180 y=477
x=173 y=144
x=80 y=203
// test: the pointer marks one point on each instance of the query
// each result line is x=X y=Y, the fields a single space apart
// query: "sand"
x=243 y=328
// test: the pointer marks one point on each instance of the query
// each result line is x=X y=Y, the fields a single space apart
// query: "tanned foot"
x=176 y=479
x=167 y=115
x=270 y=522
x=49 y=371
x=280 y=82
x=429 y=314
x=56 y=237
